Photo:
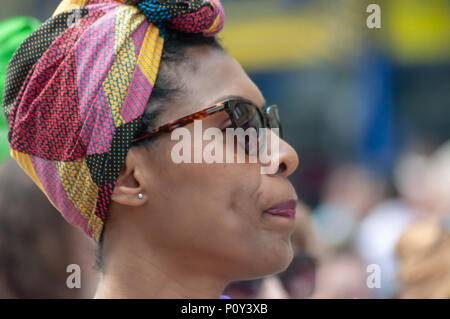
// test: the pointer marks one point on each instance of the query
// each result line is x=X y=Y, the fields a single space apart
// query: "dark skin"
x=198 y=226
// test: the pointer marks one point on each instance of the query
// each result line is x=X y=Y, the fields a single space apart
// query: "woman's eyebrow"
x=228 y=97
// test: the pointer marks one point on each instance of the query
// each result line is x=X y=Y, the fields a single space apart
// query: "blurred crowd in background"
x=368 y=111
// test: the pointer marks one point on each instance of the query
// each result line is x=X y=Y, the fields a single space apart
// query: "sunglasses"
x=298 y=280
x=242 y=113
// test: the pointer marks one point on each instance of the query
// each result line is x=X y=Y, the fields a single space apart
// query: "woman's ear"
x=129 y=190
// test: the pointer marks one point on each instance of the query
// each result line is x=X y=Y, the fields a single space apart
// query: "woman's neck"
x=132 y=275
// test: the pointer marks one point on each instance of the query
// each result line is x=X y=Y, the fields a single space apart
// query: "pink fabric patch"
x=48 y=176
x=137 y=96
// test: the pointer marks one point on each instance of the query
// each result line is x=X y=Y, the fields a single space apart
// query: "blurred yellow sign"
x=278 y=34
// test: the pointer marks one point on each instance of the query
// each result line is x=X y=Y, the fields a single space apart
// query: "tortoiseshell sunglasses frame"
x=226 y=105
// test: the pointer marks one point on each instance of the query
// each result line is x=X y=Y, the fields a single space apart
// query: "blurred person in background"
x=379 y=232
x=342 y=276
x=438 y=183
x=423 y=249
x=37 y=245
x=423 y=252
x=348 y=194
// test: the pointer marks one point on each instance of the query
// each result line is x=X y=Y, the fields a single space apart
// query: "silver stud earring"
x=140 y=195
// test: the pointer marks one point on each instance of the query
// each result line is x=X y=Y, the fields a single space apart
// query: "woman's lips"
x=285 y=209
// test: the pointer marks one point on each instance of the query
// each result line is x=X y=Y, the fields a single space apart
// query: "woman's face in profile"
x=209 y=218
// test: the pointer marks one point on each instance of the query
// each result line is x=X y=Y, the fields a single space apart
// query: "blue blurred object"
x=375 y=118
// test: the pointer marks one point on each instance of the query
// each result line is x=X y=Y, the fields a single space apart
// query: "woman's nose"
x=281 y=154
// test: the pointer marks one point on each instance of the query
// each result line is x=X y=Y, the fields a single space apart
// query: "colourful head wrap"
x=76 y=90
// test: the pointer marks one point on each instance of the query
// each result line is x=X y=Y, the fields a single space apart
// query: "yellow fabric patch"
x=152 y=47
x=78 y=185
x=121 y=72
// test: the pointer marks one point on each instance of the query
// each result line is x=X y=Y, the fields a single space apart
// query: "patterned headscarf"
x=76 y=89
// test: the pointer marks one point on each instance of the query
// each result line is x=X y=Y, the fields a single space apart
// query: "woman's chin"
x=280 y=264
x=273 y=261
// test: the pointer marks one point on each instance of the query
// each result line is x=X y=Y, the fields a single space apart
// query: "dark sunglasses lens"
x=273 y=119
x=248 y=117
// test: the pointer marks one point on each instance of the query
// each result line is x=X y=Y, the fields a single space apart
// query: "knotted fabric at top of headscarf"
x=76 y=90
